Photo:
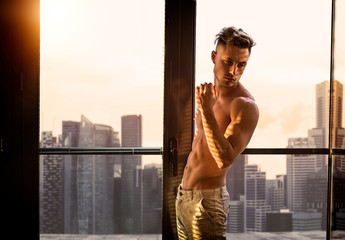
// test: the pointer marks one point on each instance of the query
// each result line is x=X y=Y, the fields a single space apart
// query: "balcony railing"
x=159 y=151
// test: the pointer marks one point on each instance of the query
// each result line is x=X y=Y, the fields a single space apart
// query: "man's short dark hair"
x=235 y=37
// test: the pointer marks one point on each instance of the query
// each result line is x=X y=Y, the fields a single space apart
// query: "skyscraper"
x=152 y=199
x=283 y=179
x=321 y=132
x=255 y=200
x=317 y=193
x=235 y=187
x=236 y=216
x=279 y=221
x=306 y=221
x=51 y=188
x=89 y=179
x=70 y=138
x=131 y=189
x=275 y=194
x=235 y=177
x=298 y=168
x=117 y=186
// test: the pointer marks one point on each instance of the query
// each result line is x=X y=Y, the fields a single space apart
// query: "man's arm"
x=244 y=116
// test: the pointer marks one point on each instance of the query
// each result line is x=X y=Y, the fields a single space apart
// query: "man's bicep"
x=242 y=126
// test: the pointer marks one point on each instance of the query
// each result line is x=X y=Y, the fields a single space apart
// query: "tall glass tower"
x=131 y=177
x=89 y=179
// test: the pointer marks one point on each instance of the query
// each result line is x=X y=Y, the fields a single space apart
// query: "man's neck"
x=224 y=90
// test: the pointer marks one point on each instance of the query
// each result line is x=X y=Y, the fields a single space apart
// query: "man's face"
x=229 y=64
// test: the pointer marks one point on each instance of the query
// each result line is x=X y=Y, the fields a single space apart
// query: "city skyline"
x=103 y=73
x=126 y=196
x=319 y=133
x=98 y=194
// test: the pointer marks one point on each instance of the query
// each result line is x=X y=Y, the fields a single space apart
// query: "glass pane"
x=291 y=198
x=288 y=65
x=101 y=86
x=99 y=194
x=102 y=60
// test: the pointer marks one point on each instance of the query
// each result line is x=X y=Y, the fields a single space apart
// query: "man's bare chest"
x=221 y=113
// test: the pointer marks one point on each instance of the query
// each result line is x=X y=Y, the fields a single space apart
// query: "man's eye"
x=228 y=62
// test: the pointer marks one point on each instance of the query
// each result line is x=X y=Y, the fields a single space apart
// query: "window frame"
x=179 y=73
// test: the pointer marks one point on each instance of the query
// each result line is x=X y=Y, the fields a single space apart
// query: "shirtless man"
x=226 y=118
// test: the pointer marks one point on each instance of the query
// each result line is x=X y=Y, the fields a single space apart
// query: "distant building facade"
x=235 y=222
x=88 y=179
x=152 y=199
x=131 y=177
x=235 y=177
x=255 y=200
x=275 y=194
x=317 y=183
x=279 y=222
x=51 y=187
x=306 y=221
x=298 y=168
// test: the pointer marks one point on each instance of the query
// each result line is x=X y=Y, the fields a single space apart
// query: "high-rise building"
x=306 y=221
x=298 y=168
x=95 y=180
x=255 y=200
x=70 y=138
x=275 y=194
x=235 y=177
x=283 y=179
x=89 y=179
x=339 y=196
x=235 y=222
x=235 y=187
x=321 y=132
x=51 y=188
x=152 y=199
x=317 y=193
x=131 y=188
x=279 y=221
x=117 y=186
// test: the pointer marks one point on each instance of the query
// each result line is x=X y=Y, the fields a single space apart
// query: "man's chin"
x=229 y=84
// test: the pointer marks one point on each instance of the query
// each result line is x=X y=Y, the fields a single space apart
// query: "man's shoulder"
x=245 y=106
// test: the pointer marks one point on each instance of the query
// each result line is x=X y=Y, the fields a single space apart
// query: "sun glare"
x=57 y=18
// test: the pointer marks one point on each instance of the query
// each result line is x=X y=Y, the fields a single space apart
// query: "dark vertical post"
x=19 y=127
x=331 y=134
x=178 y=102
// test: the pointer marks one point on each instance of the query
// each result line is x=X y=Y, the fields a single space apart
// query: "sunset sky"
x=104 y=59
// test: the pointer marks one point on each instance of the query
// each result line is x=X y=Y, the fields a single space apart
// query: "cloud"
x=291 y=118
x=266 y=118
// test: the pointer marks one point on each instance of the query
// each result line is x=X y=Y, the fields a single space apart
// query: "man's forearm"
x=220 y=148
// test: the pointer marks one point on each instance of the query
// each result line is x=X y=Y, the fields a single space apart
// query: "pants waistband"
x=203 y=192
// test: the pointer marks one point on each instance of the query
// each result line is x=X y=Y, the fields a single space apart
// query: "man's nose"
x=232 y=69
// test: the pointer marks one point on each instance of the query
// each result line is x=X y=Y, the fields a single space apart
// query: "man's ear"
x=213 y=56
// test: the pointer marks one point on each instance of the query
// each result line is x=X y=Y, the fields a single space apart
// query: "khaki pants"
x=202 y=214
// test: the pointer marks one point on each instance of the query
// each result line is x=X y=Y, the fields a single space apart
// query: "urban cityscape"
x=117 y=194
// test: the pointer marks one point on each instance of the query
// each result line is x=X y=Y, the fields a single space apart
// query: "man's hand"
x=198 y=120
x=206 y=97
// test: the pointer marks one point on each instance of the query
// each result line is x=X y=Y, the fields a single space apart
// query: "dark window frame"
x=20 y=122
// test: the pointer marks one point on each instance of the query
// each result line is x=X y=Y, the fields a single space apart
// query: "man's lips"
x=229 y=79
